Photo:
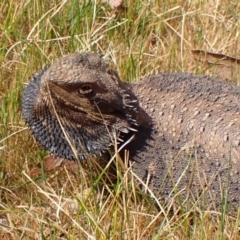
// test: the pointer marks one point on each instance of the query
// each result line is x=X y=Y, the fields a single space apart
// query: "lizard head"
x=77 y=106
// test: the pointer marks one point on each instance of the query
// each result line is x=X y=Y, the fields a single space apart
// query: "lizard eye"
x=85 y=89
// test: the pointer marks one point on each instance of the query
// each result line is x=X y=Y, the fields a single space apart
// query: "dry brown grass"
x=147 y=38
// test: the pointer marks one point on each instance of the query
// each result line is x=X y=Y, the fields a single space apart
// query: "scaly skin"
x=186 y=127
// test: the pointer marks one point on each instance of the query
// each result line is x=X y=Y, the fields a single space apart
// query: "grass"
x=147 y=38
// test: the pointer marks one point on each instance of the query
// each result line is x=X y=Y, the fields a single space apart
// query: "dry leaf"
x=51 y=162
x=223 y=66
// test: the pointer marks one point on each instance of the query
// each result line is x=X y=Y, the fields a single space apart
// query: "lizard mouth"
x=92 y=106
x=119 y=113
x=100 y=109
x=95 y=109
x=103 y=113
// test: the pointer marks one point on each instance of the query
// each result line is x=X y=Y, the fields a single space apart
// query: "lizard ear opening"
x=114 y=76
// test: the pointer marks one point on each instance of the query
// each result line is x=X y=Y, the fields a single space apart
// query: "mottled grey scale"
x=205 y=116
x=186 y=128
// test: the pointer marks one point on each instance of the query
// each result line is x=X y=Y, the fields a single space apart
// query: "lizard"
x=185 y=128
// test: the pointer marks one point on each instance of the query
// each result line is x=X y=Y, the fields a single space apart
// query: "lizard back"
x=195 y=137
